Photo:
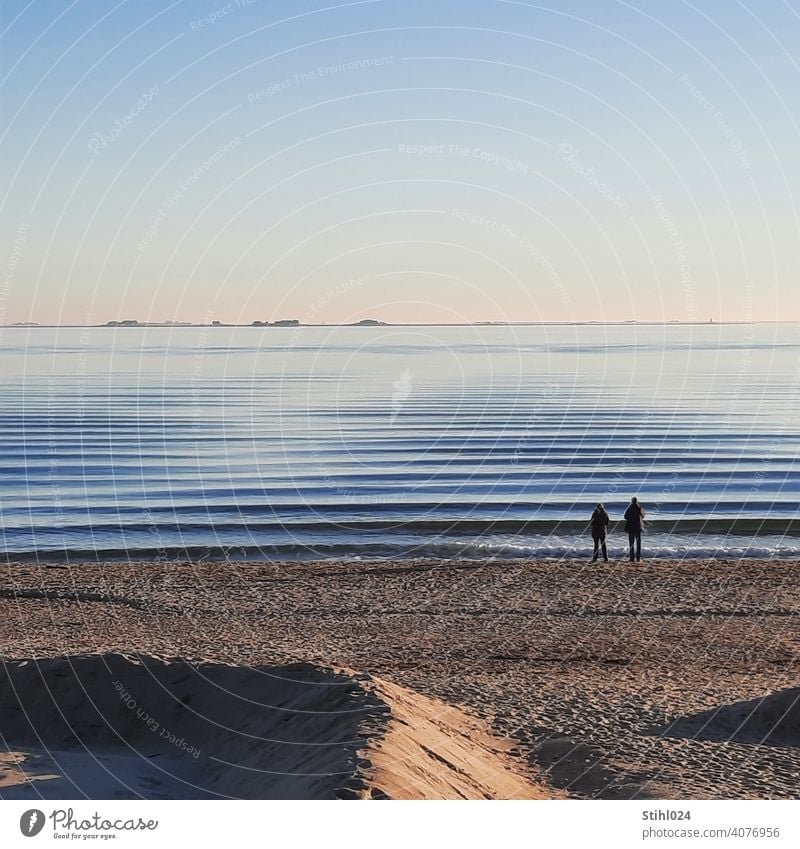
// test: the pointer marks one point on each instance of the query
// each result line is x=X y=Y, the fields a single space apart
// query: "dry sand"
x=492 y=680
x=113 y=727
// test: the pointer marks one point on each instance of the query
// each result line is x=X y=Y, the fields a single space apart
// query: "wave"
x=444 y=551
x=422 y=518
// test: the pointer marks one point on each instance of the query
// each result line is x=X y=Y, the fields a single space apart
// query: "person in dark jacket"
x=599 y=523
x=634 y=522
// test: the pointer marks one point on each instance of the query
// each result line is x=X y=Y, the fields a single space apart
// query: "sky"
x=437 y=161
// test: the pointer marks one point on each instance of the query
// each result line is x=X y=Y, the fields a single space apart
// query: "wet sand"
x=609 y=681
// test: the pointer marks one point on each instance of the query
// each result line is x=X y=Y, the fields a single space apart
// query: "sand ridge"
x=431 y=750
x=111 y=726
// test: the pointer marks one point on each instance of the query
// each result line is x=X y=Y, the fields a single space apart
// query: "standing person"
x=599 y=524
x=634 y=522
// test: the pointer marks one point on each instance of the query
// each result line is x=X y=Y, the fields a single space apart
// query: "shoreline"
x=600 y=677
x=241 y=556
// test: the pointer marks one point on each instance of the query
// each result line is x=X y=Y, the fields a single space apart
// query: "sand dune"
x=433 y=751
x=109 y=726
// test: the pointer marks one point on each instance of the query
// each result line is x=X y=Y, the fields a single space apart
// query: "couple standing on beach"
x=634 y=523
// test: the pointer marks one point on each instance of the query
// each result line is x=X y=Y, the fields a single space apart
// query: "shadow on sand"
x=772 y=720
x=113 y=727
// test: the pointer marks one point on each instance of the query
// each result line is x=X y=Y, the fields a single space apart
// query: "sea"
x=373 y=442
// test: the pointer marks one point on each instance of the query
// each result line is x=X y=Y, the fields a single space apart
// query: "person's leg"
x=596 y=547
x=631 y=539
x=605 y=550
x=639 y=546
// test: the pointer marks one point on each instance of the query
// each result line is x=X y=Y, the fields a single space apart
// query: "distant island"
x=293 y=322
x=133 y=323
x=283 y=322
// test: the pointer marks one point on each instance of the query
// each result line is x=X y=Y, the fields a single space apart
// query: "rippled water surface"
x=394 y=441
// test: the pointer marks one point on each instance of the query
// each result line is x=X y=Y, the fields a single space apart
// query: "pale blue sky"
x=579 y=160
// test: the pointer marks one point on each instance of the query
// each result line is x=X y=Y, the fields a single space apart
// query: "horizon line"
x=283 y=324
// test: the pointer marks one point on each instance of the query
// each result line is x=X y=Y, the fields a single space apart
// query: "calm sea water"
x=389 y=441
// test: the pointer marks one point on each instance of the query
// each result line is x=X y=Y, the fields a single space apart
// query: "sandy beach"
x=402 y=679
